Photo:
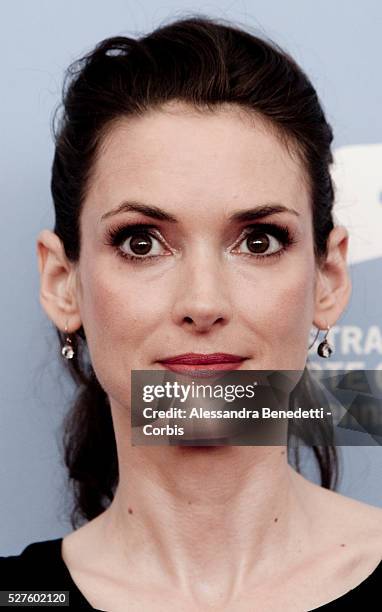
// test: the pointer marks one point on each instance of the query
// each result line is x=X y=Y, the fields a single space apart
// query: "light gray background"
x=337 y=43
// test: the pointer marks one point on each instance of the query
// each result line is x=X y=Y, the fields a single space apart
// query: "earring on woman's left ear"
x=325 y=349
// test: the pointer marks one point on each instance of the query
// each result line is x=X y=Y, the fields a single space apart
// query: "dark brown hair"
x=204 y=62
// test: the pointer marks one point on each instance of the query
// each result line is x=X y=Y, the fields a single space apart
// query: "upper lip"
x=202 y=358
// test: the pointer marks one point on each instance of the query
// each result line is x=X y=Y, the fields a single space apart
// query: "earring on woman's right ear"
x=67 y=350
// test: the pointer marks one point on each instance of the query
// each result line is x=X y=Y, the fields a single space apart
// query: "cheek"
x=119 y=319
x=279 y=308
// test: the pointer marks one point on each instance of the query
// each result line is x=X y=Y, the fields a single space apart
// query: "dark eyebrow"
x=251 y=214
x=145 y=209
x=248 y=214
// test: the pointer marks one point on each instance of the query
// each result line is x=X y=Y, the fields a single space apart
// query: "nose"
x=202 y=298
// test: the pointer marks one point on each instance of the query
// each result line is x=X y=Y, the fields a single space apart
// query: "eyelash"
x=115 y=236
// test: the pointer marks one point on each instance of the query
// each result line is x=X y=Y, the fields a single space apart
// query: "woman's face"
x=227 y=262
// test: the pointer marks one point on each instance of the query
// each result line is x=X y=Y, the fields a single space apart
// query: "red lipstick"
x=203 y=358
x=201 y=364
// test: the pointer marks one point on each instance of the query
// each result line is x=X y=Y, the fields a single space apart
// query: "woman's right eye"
x=135 y=243
x=141 y=244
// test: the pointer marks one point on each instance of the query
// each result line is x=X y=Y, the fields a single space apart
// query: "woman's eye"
x=261 y=243
x=141 y=244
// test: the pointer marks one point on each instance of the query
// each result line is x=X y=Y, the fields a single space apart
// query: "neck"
x=205 y=516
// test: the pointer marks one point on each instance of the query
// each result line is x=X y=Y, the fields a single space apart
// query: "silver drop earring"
x=67 y=350
x=325 y=349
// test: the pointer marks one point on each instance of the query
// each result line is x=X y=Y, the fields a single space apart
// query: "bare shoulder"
x=81 y=547
x=346 y=518
x=343 y=544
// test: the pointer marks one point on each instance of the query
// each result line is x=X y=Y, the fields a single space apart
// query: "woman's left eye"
x=260 y=244
x=265 y=241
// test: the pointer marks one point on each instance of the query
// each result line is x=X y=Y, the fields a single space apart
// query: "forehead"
x=178 y=157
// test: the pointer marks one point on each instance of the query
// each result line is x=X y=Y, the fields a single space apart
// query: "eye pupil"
x=258 y=243
x=140 y=245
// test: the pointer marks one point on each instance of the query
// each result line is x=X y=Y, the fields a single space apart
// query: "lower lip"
x=201 y=370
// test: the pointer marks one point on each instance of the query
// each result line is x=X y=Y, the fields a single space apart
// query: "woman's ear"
x=333 y=285
x=58 y=294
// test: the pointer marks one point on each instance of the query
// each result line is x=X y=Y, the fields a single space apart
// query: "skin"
x=202 y=528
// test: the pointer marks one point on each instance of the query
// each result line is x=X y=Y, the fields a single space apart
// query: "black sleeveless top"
x=40 y=566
